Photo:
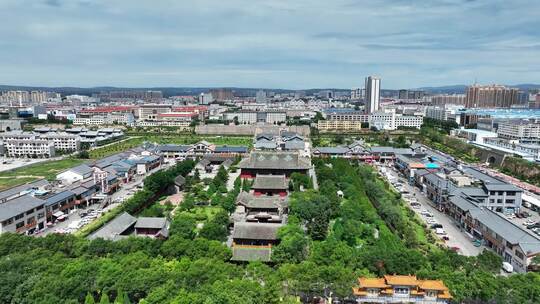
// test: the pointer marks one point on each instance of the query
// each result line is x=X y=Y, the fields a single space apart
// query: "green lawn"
x=202 y=214
x=47 y=170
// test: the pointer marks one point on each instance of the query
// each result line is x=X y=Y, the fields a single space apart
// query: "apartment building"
x=491 y=96
x=63 y=141
x=401 y=289
x=28 y=148
x=455 y=99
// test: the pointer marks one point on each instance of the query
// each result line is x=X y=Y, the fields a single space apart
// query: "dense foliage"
x=328 y=242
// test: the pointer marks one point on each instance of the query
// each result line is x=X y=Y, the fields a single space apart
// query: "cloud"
x=275 y=43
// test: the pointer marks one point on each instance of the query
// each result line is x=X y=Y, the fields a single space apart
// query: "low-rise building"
x=30 y=148
x=339 y=125
x=518 y=130
x=516 y=246
x=270 y=185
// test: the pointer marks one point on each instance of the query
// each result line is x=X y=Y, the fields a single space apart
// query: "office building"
x=373 y=92
x=252 y=117
x=151 y=111
x=518 y=130
x=491 y=96
x=390 y=120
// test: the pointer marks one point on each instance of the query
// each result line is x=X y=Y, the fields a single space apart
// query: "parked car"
x=535 y=225
x=528 y=223
x=440 y=231
x=507 y=267
x=436 y=225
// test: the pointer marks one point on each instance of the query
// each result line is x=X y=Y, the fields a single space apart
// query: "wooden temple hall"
x=401 y=289
x=273 y=163
x=262 y=211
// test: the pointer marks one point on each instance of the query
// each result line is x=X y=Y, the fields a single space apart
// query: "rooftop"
x=268 y=182
x=115 y=227
x=18 y=205
x=256 y=231
x=274 y=160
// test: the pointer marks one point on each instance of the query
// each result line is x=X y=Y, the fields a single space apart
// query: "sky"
x=268 y=43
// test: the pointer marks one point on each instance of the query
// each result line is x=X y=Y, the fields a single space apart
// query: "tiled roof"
x=18 y=205
x=432 y=285
x=274 y=160
x=115 y=227
x=151 y=222
x=270 y=182
x=261 y=202
x=255 y=231
x=372 y=283
x=404 y=280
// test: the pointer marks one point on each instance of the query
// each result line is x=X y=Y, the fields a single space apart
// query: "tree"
x=184 y=226
x=315 y=210
x=187 y=203
x=214 y=231
x=292 y=247
x=489 y=261
x=121 y=298
x=104 y=298
x=83 y=154
x=89 y=299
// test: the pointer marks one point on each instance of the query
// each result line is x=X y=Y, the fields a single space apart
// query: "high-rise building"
x=443 y=99
x=206 y=98
x=260 y=97
x=491 y=96
x=403 y=94
x=373 y=93
x=356 y=93
x=222 y=94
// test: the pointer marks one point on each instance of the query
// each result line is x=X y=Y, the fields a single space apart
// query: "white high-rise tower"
x=373 y=93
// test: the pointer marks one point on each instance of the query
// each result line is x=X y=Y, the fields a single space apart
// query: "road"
x=457 y=237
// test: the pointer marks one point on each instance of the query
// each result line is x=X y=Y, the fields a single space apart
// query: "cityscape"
x=217 y=176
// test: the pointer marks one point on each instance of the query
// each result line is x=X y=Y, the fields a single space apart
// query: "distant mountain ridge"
x=171 y=91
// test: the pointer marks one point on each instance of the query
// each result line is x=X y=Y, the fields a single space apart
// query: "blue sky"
x=271 y=43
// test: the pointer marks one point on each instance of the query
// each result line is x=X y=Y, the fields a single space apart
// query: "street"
x=457 y=238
